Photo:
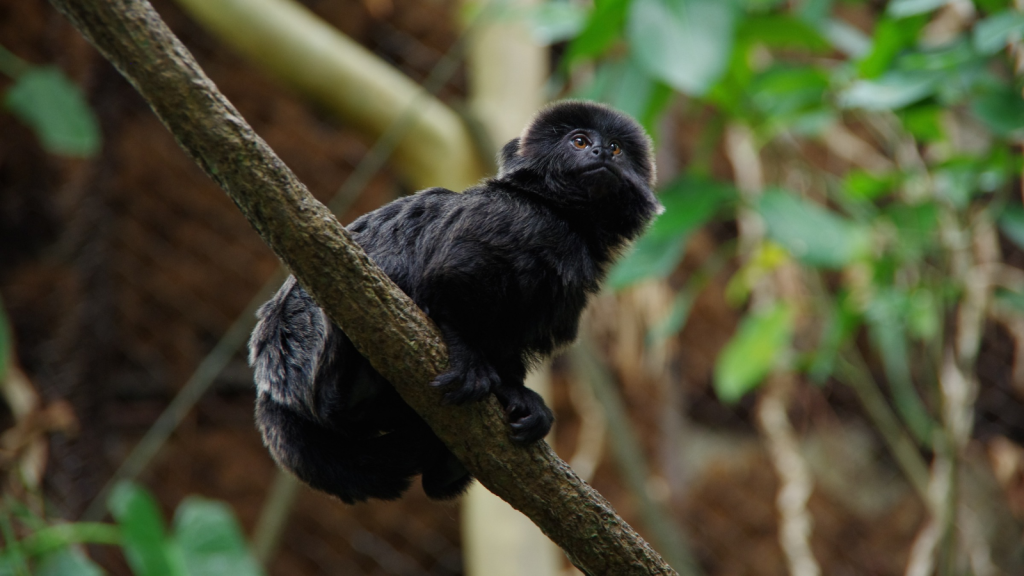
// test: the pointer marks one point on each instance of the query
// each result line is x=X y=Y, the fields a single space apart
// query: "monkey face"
x=603 y=133
x=587 y=155
x=596 y=162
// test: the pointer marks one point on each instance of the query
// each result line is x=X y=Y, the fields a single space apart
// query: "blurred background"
x=810 y=364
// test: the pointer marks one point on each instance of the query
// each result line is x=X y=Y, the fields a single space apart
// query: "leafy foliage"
x=761 y=343
x=205 y=540
x=684 y=43
x=49 y=103
x=870 y=233
x=813 y=234
x=689 y=203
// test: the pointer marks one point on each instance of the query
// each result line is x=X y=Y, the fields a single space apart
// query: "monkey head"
x=588 y=155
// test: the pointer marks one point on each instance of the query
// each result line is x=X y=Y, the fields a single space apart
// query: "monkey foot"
x=528 y=417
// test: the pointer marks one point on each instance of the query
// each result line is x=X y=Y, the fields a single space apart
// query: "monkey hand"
x=528 y=416
x=469 y=376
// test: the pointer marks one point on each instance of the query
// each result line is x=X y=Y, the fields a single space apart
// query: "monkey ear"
x=508 y=157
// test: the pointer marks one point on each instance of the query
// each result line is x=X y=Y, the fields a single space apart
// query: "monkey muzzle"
x=600 y=181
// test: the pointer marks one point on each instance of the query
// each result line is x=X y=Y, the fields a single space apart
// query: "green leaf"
x=790 y=98
x=815 y=12
x=1011 y=222
x=917 y=228
x=12 y=557
x=923 y=121
x=1011 y=300
x=6 y=343
x=628 y=87
x=889 y=92
x=904 y=8
x=839 y=327
x=956 y=183
x=918 y=223
x=1002 y=111
x=56 y=536
x=846 y=38
x=684 y=43
x=689 y=203
x=67 y=562
x=861 y=185
x=650 y=257
x=993 y=33
x=811 y=233
x=812 y=123
x=55 y=109
x=602 y=29
x=998 y=167
x=557 y=21
x=783 y=91
x=211 y=541
x=885 y=316
x=891 y=37
x=945 y=58
x=687 y=295
x=960 y=178
x=632 y=92
x=760 y=343
x=781 y=31
x=753 y=7
x=676 y=319
x=991 y=6
x=142 y=531
x=923 y=314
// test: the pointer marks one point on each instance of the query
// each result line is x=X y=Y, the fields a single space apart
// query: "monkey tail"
x=329 y=418
x=286 y=347
x=353 y=469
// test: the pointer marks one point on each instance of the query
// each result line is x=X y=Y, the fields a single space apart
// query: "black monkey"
x=504 y=269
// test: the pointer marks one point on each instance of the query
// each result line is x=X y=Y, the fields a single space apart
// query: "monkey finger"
x=530 y=428
x=446 y=378
x=477 y=383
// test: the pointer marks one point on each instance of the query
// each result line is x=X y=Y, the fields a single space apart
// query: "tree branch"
x=383 y=323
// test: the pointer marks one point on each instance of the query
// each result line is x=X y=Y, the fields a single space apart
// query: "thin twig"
x=274 y=516
x=796 y=485
x=851 y=371
x=593 y=428
x=926 y=544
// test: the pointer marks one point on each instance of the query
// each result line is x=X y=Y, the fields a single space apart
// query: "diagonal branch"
x=401 y=343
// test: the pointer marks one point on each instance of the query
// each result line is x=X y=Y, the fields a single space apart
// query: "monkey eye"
x=580 y=141
x=615 y=148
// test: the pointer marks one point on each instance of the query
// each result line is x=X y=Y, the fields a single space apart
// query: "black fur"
x=504 y=269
